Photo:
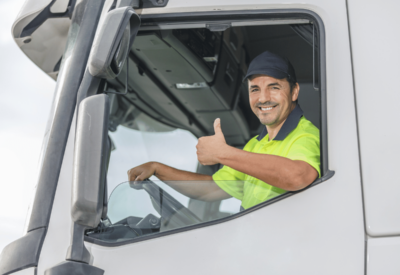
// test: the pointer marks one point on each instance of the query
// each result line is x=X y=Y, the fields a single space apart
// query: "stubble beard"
x=267 y=121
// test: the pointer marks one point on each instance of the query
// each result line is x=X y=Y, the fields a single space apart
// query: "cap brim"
x=274 y=73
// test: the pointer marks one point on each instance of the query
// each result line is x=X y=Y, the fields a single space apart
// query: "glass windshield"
x=141 y=208
x=152 y=197
x=148 y=207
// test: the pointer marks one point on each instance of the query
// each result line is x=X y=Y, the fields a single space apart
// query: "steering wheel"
x=167 y=206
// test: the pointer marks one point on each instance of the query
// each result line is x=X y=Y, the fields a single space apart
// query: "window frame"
x=249 y=15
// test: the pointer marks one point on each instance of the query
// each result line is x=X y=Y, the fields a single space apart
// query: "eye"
x=275 y=88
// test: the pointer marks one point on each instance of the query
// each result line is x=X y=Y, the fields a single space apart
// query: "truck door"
x=379 y=162
x=152 y=228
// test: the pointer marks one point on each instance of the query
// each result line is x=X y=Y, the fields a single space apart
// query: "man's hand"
x=142 y=172
x=210 y=148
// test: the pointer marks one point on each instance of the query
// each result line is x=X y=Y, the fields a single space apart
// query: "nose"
x=265 y=96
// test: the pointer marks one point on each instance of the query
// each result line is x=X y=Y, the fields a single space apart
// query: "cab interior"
x=185 y=78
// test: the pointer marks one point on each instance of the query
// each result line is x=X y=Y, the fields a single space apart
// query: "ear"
x=295 y=92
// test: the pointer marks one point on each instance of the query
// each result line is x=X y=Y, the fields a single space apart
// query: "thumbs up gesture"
x=210 y=148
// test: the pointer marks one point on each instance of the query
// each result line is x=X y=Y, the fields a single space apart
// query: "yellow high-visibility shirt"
x=298 y=139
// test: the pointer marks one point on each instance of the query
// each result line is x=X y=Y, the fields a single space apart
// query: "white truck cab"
x=141 y=80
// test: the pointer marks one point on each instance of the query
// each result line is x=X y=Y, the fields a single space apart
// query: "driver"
x=285 y=156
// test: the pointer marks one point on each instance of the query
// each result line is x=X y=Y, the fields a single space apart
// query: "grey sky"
x=26 y=95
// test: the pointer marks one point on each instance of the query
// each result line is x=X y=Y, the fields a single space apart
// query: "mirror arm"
x=77 y=251
x=89 y=86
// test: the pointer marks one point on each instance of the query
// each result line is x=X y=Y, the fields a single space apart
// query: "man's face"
x=271 y=99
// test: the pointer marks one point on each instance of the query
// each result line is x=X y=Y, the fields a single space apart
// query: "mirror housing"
x=90 y=161
x=112 y=42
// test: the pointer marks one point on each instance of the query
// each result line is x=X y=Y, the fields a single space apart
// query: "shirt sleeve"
x=231 y=181
x=306 y=148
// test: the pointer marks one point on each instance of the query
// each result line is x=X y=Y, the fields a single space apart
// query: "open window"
x=185 y=71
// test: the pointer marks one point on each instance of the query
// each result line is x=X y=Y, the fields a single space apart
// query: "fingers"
x=217 y=126
x=135 y=178
x=142 y=172
x=139 y=178
x=135 y=175
x=131 y=175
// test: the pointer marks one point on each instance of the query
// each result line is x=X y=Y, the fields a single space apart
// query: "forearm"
x=167 y=173
x=193 y=185
x=277 y=171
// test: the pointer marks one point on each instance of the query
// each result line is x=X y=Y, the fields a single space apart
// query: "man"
x=284 y=157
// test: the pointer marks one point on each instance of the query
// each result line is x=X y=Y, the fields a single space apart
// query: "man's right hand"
x=142 y=172
x=203 y=187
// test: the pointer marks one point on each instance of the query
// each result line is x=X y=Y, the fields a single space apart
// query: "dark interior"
x=211 y=66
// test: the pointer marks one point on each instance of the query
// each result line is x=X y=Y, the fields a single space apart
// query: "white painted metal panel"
x=28 y=271
x=310 y=233
x=29 y=11
x=46 y=44
x=319 y=231
x=383 y=256
x=375 y=46
x=41 y=49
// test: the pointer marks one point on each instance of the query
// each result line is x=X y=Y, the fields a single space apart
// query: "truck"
x=142 y=80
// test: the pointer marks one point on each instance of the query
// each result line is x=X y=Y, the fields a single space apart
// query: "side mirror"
x=112 y=42
x=90 y=161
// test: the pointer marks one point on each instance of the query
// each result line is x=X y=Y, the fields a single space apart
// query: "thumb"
x=217 y=127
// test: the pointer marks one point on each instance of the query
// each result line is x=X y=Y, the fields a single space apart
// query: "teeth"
x=266 y=109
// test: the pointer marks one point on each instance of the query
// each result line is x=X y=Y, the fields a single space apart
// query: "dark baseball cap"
x=273 y=65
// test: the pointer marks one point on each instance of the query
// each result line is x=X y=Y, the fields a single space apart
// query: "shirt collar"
x=289 y=125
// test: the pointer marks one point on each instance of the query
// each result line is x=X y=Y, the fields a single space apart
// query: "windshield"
x=148 y=207
x=142 y=208
x=157 y=198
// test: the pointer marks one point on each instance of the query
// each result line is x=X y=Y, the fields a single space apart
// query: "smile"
x=266 y=108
